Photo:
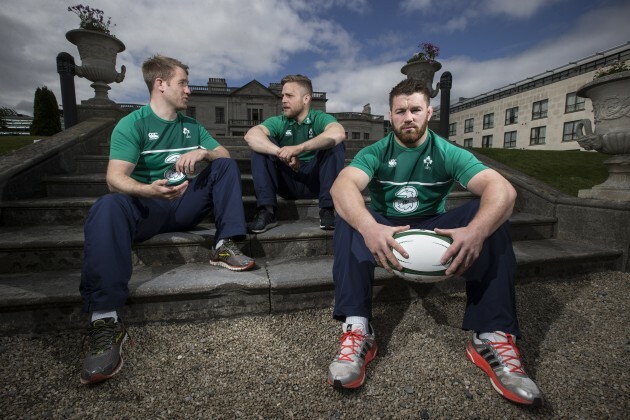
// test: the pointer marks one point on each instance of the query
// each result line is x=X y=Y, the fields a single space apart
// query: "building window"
x=452 y=129
x=511 y=116
x=486 y=142
x=219 y=115
x=574 y=103
x=469 y=125
x=488 y=121
x=468 y=142
x=537 y=135
x=346 y=135
x=539 y=109
x=569 y=132
x=254 y=114
x=366 y=136
x=191 y=111
x=509 y=139
x=356 y=135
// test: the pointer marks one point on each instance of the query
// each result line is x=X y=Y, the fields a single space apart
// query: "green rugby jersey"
x=154 y=144
x=414 y=182
x=288 y=132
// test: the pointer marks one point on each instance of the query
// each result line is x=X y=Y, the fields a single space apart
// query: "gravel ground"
x=576 y=346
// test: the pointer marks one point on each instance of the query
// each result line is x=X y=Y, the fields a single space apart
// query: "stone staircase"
x=46 y=202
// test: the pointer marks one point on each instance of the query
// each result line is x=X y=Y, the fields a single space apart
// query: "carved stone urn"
x=610 y=96
x=423 y=70
x=98 y=52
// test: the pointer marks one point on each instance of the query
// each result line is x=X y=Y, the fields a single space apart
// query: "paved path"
x=576 y=346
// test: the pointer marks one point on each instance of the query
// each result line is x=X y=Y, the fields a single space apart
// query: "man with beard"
x=409 y=174
x=296 y=155
x=155 y=189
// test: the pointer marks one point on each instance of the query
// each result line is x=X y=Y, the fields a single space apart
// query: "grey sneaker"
x=501 y=361
x=263 y=221
x=104 y=360
x=356 y=351
x=230 y=256
x=327 y=218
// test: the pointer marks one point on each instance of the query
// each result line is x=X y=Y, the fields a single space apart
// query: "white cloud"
x=415 y=5
x=515 y=8
x=235 y=39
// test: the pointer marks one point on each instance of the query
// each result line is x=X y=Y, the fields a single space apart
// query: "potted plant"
x=609 y=93
x=423 y=66
x=97 y=49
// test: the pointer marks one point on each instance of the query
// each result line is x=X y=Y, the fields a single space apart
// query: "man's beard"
x=291 y=113
x=411 y=137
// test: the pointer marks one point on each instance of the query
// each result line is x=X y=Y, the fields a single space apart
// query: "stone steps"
x=59 y=247
x=189 y=291
x=74 y=210
x=41 y=252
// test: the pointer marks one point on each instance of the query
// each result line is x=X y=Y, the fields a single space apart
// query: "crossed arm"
x=496 y=205
x=119 y=175
x=258 y=140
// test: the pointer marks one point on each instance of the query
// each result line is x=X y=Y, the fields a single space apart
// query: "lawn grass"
x=567 y=171
x=11 y=143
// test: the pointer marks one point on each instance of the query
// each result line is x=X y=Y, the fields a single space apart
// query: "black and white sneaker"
x=263 y=221
x=327 y=218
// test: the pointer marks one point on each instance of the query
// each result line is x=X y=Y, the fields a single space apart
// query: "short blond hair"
x=160 y=67
x=301 y=80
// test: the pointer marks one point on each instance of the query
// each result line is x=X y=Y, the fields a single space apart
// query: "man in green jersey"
x=409 y=174
x=295 y=155
x=156 y=188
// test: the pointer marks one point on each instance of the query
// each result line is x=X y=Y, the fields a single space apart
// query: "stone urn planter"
x=98 y=52
x=610 y=96
x=423 y=70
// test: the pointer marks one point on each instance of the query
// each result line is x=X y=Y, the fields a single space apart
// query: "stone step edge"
x=284 y=276
x=66 y=202
x=39 y=237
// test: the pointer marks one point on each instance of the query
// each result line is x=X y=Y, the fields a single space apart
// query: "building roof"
x=574 y=68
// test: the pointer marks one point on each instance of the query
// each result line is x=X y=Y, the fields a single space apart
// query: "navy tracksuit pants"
x=491 y=303
x=313 y=180
x=116 y=221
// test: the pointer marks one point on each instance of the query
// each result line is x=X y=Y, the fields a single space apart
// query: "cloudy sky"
x=351 y=49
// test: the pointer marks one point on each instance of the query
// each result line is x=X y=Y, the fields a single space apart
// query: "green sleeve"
x=125 y=142
x=464 y=165
x=322 y=121
x=367 y=161
x=275 y=125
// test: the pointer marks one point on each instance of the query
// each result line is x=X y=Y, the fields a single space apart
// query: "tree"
x=45 y=113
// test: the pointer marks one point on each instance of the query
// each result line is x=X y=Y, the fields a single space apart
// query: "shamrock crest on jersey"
x=427 y=162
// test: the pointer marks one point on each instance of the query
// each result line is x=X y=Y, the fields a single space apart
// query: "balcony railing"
x=357 y=116
x=211 y=90
x=244 y=123
x=228 y=90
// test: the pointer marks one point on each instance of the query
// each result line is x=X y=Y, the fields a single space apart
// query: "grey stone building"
x=540 y=112
x=231 y=111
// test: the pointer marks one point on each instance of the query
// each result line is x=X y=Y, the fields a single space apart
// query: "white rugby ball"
x=425 y=249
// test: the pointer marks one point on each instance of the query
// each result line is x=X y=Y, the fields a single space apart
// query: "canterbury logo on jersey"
x=154 y=136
